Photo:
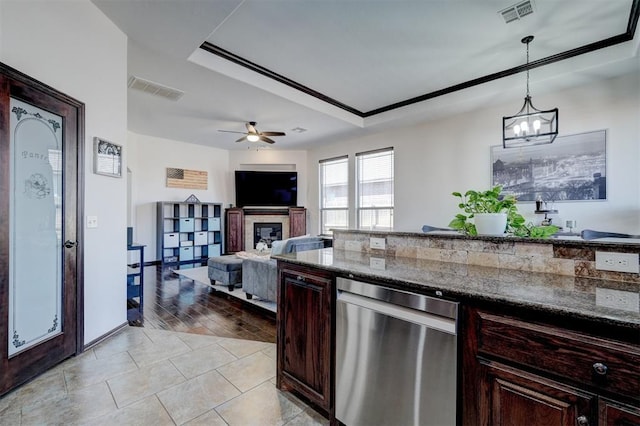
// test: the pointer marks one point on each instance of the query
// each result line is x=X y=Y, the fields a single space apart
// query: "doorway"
x=41 y=175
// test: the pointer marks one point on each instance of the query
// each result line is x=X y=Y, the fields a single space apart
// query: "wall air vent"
x=154 y=88
x=517 y=11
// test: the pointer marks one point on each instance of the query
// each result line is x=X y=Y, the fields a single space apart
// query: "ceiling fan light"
x=253 y=138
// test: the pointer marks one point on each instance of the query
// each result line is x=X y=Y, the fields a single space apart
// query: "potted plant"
x=487 y=213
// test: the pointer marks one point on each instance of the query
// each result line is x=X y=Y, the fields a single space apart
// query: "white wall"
x=72 y=47
x=453 y=154
x=272 y=160
x=149 y=159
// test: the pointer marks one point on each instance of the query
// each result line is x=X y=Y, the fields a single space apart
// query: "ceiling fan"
x=253 y=135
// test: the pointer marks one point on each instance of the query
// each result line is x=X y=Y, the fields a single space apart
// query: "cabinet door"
x=304 y=328
x=297 y=221
x=509 y=396
x=234 y=230
x=616 y=414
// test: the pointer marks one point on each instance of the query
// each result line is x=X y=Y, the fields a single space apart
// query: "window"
x=334 y=194
x=374 y=189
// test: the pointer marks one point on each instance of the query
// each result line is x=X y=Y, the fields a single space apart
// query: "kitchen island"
x=561 y=346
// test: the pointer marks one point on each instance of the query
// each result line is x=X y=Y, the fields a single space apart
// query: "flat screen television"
x=259 y=188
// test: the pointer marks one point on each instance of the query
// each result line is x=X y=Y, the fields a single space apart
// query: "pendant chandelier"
x=530 y=126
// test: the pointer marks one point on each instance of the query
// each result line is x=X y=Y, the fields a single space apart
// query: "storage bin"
x=214 y=250
x=187 y=225
x=171 y=240
x=200 y=238
x=186 y=253
x=214 y=224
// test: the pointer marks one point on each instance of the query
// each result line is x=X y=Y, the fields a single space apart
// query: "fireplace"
x=267 y=232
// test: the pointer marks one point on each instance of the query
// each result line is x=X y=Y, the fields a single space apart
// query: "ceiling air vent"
x=154 y=88
x=517 y=11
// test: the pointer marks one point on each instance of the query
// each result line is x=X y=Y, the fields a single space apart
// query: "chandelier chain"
x=528 y=69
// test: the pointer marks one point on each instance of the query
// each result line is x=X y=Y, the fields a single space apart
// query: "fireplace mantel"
x=239 y=224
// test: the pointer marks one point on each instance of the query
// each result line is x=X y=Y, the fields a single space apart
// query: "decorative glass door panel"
x=35 y=226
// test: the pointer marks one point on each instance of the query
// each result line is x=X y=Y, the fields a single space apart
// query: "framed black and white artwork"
x=107 y=158
x=572 y=168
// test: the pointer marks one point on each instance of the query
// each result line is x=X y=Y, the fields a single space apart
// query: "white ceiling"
x=366 y=54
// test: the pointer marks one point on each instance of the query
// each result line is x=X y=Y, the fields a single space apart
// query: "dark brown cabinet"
x=523 y=372
x=297 y=221
x=234 y=230
x=305 y=333
x=615 y=414
x=514 y=397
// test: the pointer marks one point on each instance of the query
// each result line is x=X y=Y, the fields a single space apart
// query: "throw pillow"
x=277 y=247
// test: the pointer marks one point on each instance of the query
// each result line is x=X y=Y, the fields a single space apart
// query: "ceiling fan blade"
x=244 y=138
x=251 y=127
x=266 y=139
x=231 y=131
x=272 y=134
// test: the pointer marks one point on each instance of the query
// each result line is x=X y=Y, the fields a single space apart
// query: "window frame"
x=322 y=209
x=358 y=189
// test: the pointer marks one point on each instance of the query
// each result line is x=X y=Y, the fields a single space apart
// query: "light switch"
x=92 y=221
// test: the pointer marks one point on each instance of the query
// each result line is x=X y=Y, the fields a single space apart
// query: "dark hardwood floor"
x=179 y=304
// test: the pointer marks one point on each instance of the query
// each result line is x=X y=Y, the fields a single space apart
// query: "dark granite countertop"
x=578 y=297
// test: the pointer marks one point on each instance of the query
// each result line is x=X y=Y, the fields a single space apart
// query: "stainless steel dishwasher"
x=396 y=357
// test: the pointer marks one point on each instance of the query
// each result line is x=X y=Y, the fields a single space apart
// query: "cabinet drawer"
x=605 y=364
x=171 y=240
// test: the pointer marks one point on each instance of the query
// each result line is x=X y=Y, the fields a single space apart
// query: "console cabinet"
x=523 y=372
x=297 y=221
x=306 y=334
x=234 y=229
x=188 y=232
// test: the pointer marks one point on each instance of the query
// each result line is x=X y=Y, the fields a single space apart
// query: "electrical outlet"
x=377 y=243
x=92 y=221
x=619 y=262
x=617 y=299
x=377 y=263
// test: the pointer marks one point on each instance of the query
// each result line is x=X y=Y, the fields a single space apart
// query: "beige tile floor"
x=155 y=377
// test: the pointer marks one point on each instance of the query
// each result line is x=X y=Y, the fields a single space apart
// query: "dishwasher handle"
x=436 y=322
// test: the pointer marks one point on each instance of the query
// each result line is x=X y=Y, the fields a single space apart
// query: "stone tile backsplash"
x=568 y=258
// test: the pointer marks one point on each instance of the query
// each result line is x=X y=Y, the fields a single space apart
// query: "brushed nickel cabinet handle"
x=300 y=278
x=600 y=369
x=582 y=421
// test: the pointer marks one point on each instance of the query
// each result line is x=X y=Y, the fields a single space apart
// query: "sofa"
x=260 y=275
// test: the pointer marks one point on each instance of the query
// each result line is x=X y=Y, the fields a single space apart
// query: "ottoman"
x=225 y=269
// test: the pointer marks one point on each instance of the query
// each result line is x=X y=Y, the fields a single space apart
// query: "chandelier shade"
x=529 y=126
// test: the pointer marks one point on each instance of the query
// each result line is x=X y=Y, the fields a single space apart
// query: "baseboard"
x=105 y=336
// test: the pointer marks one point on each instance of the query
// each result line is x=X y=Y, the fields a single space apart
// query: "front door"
x=40 y=147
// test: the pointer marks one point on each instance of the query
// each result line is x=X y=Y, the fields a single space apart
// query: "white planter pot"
x=490 y=223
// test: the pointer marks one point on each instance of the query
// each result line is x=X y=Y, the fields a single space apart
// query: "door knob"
x=70 y=244
x=600 y=369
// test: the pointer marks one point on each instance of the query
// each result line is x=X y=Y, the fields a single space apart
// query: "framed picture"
x=572 y=168
x=107 y=158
